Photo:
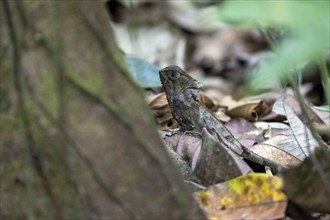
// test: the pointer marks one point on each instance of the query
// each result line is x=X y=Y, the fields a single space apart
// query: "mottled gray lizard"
x=181 y=92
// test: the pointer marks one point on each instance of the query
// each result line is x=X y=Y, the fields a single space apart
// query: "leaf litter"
x=220 y=55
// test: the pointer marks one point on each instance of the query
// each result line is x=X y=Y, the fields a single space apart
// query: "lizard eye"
x=175 y=75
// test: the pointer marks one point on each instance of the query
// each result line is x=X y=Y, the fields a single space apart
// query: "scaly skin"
x=181 y=92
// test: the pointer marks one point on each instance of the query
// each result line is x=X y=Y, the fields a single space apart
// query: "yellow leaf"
x=251 y=196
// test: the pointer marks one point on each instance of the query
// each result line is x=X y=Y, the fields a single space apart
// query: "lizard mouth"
x=162 y=77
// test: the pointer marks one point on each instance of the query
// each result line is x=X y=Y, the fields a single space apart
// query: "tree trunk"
x=79 y=141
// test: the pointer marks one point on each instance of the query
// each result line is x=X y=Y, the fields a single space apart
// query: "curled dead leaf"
x=242 y=108
x=265 y=113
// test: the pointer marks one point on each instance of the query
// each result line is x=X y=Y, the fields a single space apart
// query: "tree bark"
x=90 y=125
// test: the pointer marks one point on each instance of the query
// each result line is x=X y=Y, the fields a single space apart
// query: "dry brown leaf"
x=268 y=149
x=221 y=115
x=228 y=102
x=270 y=211
x=248 y=143
x=306 y=186
x=162 y=112
x=184 y=144
x=205 y=100
x=216 y=163
x=179 y=162
x=239 y=126
x=245 y=131
x=242 y=108
x=265 y=113
x=245 y=110
x=272 y=129
x=300 y=143
x=253 y=196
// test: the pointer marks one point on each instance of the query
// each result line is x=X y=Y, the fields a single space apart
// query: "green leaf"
x=307 y=22
x=143 y=72
x=325 y=108
x=295 y=15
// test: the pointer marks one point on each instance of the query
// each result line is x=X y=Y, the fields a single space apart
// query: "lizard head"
x=175 y=79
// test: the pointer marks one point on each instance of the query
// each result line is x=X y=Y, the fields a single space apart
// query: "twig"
x=198 y=186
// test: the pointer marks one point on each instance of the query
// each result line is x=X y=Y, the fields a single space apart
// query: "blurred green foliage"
x=306 y=21
x=325 y=108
